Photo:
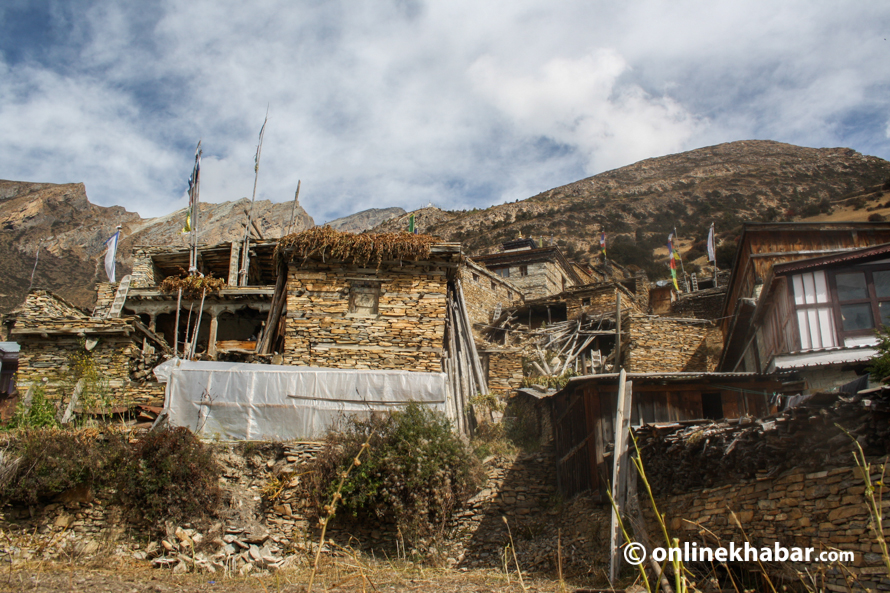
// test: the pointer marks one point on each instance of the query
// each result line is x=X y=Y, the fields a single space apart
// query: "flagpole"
x=293 y=213
x=245 y=257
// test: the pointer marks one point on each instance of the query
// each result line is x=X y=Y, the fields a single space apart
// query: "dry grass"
x=193 y=287
x=325 y=243
x=348 y=572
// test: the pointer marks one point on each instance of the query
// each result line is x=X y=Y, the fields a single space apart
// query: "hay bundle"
x=327 y=243
x=193 y=287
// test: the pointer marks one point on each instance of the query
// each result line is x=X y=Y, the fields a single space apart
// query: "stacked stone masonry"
x=485 y=293
x=406 y=333
x=504 y=370
x=818 y=510
x=659 y=345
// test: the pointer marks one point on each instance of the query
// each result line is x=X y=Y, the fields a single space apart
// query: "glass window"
x=857 y=317
x=882 y=283
x=884 y=308
x=851 y=287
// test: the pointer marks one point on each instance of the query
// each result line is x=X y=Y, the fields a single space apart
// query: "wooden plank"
x=619 y=470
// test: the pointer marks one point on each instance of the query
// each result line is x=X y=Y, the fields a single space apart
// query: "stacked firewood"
x=681 y=456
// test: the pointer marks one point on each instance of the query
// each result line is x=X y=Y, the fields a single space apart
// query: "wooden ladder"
x=694 y=282
x=120 y=297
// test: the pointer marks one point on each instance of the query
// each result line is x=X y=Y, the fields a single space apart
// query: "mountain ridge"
x=636 y=205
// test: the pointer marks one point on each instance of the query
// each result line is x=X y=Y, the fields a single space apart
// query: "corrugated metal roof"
x=827 y=260
x=10 y=347
x=823 y=356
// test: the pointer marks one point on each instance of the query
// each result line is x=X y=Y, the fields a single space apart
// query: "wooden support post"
x=69 y=411
x=176 y=325
x=617 y=361
x=234 y=263
x=619 y=469
x=481 y=380
x=26 y=402
x=211 y=339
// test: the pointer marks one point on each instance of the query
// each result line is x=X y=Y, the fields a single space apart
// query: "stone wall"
x=255 y=533
x=543 y=279
x=51 y=358
x=600 y=301
x=144 y=273
x=105 y=293
x=821 y=510
x=484 y=291
x=504 y=369
x=703 y=304
x=659 y=345
x=407 y=332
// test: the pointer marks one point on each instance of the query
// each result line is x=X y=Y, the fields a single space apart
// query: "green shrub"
x=52 y=461
x=416 y=472
x=41 y=414
x=169 y=475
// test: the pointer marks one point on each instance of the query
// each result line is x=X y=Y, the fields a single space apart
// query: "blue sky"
x=460 y=103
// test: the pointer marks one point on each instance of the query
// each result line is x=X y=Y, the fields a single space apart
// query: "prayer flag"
x=712 y=245
x=110 y=254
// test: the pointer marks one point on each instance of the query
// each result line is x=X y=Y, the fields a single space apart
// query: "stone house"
x=232 y=317
x=537 y=271
x=53 y=333
x=807 y=297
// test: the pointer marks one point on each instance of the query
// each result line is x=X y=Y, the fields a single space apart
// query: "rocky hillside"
x=638 y=205
x=366 y=219
x=71 y=233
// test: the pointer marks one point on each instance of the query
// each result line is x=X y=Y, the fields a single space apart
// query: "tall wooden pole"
x=619 y=470
x=245 y=257
x=293 y=212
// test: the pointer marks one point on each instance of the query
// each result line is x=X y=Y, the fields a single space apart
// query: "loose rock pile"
x=681 y=457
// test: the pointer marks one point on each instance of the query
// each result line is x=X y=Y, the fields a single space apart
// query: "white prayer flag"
x=712 y=245
x=110 y=254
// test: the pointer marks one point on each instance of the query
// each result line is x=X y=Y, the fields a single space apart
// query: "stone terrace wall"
x=407 y=334
x=519 y=487
x=821 y=510
x=659 y=345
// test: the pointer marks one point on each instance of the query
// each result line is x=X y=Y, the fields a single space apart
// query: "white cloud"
x=463 y=104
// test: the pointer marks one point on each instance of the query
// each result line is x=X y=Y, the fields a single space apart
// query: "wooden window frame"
x=872 y=299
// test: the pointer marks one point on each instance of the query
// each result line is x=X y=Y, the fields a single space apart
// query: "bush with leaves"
x=169 y=475
x=879 y=367
x=416 y=472
x=41 y=413
x=51 y=461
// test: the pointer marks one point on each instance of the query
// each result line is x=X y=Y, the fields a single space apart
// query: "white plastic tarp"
x=238 y=401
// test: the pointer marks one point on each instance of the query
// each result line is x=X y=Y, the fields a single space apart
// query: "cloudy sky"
x=463 y=103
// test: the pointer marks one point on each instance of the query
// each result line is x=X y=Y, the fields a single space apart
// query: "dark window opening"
x=712 y=406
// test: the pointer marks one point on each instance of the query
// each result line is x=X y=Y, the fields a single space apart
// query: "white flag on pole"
x=110 y=254
x=712 y=245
